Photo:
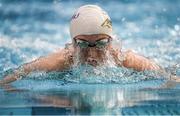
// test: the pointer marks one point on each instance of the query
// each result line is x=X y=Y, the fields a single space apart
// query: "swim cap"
x=90 y=19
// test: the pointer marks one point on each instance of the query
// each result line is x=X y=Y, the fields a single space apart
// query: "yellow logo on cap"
x=107 y=23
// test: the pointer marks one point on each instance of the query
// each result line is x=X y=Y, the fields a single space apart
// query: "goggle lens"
x=99 y=44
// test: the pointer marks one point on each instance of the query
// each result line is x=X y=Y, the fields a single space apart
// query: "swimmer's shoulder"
x=61 y=59
x=139 y=62
x=62 y=54
x=68 y=50
x=128 y=52
x=67 y=54
x=130 y=56
x=125 y=54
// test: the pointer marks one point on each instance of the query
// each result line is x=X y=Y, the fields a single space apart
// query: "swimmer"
x=92 y=38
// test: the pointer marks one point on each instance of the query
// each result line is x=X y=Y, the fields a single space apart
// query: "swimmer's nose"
x=91 y=51
x=92 y=61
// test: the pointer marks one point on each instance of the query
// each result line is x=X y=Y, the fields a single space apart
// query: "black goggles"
x=102 y=43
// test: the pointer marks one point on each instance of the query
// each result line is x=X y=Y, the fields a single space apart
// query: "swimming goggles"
x=102 y=43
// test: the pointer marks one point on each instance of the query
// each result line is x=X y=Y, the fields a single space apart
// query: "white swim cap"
x=90 y=19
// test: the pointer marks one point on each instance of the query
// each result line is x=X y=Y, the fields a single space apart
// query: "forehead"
x=93 y=36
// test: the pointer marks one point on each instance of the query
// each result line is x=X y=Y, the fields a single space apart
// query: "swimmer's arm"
x=52 y=62
x=139 y=63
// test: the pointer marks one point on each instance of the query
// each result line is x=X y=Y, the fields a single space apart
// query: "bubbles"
x=105 y=74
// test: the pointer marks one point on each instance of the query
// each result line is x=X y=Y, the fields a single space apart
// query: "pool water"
x=31 y=28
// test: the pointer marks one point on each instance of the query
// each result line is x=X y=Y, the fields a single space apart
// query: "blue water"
x=34 y=28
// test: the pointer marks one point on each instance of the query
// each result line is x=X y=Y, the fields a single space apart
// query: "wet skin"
x=92 y=55
x=64 y=59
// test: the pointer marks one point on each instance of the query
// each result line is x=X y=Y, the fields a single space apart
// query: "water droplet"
x=178 y=19
x=129 y=34
x=176 y=27
x=173 y=33
x=164 y=9
x=56 y=1
x=123 y=19
x=156 y=26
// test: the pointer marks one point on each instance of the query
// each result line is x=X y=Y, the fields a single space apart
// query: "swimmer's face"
x=92 y=48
